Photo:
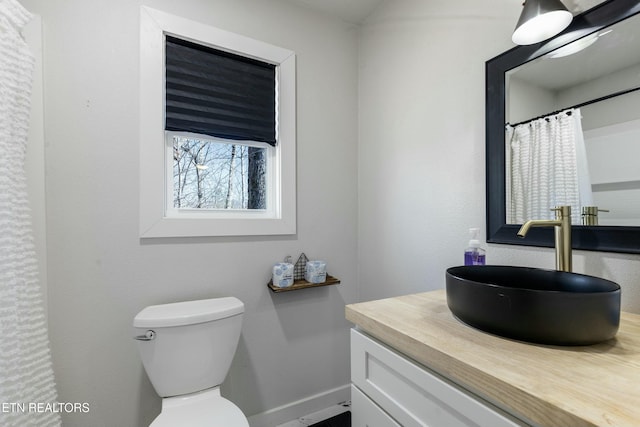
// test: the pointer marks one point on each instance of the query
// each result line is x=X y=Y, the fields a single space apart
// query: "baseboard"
x=291 y=411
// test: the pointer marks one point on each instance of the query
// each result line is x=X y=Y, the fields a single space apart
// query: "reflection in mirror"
x=605 y=118
x=587 y=157
x=546 y=166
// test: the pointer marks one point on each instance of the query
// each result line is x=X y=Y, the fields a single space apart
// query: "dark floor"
x=340 y=420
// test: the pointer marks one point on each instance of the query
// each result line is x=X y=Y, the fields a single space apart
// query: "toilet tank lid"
x=188 y=312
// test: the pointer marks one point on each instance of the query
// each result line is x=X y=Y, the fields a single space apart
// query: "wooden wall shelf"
x=303 y=284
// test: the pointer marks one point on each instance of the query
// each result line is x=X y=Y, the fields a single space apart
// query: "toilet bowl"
x=186 y=349
x=203 y=409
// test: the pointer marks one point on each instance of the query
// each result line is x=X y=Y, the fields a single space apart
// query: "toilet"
x=186 y=349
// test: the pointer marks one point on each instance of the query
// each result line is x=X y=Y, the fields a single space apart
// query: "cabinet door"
x=365 y=413
x=413 y=395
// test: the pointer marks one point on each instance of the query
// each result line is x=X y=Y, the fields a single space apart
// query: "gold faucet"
x=562 y=228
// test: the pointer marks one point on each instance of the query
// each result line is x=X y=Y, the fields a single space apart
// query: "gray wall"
x=99 y=272
x=525 y=101
x=421 y=156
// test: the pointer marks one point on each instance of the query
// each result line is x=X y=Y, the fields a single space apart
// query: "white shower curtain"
x=27 y=389
x=546 y=166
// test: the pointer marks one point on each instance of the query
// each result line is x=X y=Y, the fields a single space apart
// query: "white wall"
x=421 y=155
x=524 y=101
x=614 y=110
x=612 y=153
x=421 y=149
x=100 y=274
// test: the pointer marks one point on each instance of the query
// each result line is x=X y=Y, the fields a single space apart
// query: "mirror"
x=600 y=75
x=528 y=66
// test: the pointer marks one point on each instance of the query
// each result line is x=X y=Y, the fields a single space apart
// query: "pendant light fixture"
x=541 y=20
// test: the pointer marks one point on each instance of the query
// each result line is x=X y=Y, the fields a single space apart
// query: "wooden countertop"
x=597 y=385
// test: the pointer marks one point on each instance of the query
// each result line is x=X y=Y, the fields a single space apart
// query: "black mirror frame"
x=624 y=239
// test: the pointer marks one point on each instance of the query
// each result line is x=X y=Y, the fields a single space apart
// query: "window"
x=217 y=145
x=218 y=174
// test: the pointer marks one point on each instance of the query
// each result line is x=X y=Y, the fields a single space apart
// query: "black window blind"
x=217 y=93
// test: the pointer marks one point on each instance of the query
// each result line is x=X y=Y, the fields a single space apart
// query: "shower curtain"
x=546 y=166
x=27 y=388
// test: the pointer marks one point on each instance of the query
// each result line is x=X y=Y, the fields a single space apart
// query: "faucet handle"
x=592 y=210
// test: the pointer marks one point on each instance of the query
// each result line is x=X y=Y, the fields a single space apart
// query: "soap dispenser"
x=474 y=254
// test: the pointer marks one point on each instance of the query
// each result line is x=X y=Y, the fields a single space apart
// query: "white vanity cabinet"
x=390 y=390
x=365 y=412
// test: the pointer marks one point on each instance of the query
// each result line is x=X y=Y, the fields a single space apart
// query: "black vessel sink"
x=535 y=305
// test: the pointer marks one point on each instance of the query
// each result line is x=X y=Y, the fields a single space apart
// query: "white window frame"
x=157 y=217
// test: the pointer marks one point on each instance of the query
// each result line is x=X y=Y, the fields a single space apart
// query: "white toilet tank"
x=191 y=345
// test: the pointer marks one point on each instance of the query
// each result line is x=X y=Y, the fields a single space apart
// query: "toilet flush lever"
x=148 y=336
